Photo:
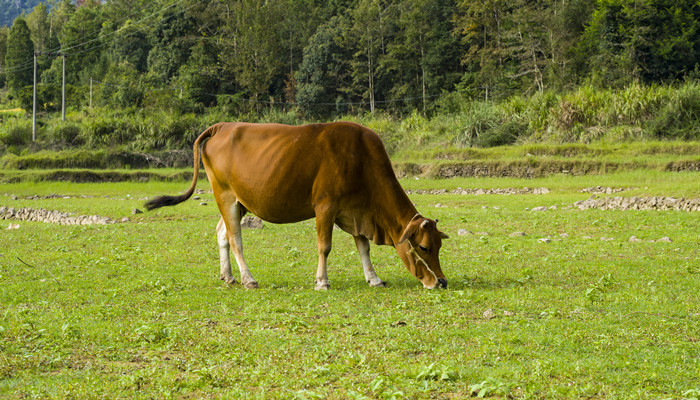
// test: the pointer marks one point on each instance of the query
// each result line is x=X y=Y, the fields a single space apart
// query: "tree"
x=254 y=51
x=369 y=32
x=481 y=23
x=323 y=71
x=129 y=44
x=423 y=58
x=642 y=40
x=169 y=45
x=4 y=32
x=79 y=41
x=19 y=56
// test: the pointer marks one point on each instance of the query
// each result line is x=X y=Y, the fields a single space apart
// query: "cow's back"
x=281 y=172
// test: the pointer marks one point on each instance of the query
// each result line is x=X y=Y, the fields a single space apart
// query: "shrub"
x=102 y=129
x=15 y=132
x=479 y=123
x=679 y=117
x=62 y=133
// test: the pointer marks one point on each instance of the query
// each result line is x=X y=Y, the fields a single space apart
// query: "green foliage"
x=479 y=73
x=650 y=40
x=168 y=52
x=322 y=71
x=15 y=133
x=63 y=134
x=678 y=116
x=4 y=32
x=19 y=56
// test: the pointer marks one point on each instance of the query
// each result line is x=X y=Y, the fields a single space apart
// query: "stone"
x=665 y=239
x=136 y=211
x=544 y=240
x=463 y=232
x=541 y=208
x=518 y=234
x=634 y=239
x=251 y=223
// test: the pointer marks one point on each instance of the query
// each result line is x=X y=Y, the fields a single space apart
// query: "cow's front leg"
x=324 y=231
x=224 y=258
x=370 y=276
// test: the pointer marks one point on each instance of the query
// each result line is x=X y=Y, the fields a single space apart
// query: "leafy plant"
x=489 y=387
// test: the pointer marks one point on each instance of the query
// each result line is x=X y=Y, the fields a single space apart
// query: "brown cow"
x=337 y=172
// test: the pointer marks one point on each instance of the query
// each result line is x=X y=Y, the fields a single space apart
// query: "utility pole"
x=63 y=88
x=34 y=103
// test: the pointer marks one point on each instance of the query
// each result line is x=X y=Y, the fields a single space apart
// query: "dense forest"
x=329 y=58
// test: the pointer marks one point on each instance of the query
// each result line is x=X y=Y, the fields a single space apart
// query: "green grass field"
x=136 y=309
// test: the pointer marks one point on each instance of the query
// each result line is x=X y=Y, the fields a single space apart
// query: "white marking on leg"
x=236 y=241
x=371 y=277
x=324 y=232
x=224 y=258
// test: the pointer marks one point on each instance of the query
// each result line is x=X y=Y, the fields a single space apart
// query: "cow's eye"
x=425 y=249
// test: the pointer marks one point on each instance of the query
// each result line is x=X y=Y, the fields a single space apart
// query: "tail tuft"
x=164 y=201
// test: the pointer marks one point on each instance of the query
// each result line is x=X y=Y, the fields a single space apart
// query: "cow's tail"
x=163 y=201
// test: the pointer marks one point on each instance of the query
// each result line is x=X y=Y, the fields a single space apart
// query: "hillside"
x=11 y=9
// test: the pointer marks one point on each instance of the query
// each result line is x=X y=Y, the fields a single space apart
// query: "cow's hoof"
x=251 y=285
x=377 y=283
x=322 y=286
x=230 y=280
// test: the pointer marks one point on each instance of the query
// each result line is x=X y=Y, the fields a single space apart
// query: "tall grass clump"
x=157 y=130
x=679 y=116
x=486 y=124
x=164 y=130
x=636 y=112
x=15 y=133
x=61 y=134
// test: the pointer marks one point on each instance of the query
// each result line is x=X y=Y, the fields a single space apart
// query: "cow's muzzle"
x=442 y=283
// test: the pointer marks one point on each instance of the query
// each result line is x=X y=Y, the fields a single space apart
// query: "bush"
x=679 y=117
x=104 y=130
x=479 y=123
x=15 y=132
x=63 y=133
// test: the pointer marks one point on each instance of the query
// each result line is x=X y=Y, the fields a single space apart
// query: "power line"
x=28 y=64
x=345 y=103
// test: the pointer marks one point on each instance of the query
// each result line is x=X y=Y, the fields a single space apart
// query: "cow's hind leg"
x=233 y=227
x=224 y=247
x=324 y=232
x=370 y=276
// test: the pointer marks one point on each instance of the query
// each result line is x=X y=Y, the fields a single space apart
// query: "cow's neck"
x=399 y=213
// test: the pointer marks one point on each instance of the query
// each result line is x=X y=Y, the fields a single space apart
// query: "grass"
x=135 y=310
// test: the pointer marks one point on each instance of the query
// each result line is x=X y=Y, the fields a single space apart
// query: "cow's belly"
x=271 y=204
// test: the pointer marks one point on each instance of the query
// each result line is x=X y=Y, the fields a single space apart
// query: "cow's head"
x=419 y=248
